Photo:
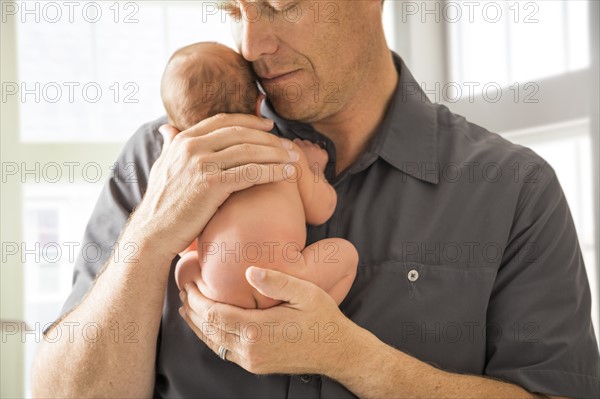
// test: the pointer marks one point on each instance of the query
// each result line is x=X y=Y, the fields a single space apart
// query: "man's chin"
x=301 y=111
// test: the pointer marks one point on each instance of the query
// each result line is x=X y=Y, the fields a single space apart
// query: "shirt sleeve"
x=539 y=328
x=121 y=193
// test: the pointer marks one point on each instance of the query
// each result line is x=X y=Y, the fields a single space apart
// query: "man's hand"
x=305 y=334
x=200 y=167
x=308 y=334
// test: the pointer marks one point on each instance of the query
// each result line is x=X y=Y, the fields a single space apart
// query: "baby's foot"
x=316 y=156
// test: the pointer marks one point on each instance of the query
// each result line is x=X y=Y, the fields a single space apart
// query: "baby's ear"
x=259 y=100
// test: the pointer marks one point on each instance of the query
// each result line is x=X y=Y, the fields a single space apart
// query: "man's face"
x=311 y=56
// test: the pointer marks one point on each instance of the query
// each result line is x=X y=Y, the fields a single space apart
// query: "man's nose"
x=258 y=34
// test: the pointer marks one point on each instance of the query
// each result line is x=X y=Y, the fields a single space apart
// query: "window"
x=97 y=78
x=510 y=41
x=54 y=217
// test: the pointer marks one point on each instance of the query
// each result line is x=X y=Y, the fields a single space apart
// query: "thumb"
x=168 y=133
x=278 y=285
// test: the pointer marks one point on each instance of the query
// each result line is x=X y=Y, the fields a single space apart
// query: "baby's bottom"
x=330 y=263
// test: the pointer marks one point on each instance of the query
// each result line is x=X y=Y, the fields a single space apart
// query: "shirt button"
x=305 y=378
x=413 y=275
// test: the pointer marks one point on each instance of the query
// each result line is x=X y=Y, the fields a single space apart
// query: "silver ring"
x=223 y=352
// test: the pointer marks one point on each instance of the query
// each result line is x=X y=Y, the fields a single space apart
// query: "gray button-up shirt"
x=469 y=259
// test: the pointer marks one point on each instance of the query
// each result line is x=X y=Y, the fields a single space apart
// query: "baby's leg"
x=188 y=269
x=331 y=264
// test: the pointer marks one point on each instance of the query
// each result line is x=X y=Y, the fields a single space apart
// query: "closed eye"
x=280 y=6
x=232 y=7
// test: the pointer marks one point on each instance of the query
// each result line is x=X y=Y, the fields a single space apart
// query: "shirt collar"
x=406 y=138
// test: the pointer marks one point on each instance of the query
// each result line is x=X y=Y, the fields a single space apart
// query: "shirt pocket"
x=436 y=313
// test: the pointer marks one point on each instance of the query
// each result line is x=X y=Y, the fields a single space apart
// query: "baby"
x=264 y=225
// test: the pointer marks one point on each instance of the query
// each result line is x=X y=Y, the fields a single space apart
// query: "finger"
x=168 y=133
x=207 y=312
x=243 y=154
x=241 y=177
x=279 y=286
x=227 y=120
x=233 y=348
x=214 y=332
x=217 y=333
x=229 y=136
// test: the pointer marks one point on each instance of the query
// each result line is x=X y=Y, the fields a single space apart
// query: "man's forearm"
x=117 y=357
x=370 y=368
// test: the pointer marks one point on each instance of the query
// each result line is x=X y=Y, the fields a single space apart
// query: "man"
x=470 y=283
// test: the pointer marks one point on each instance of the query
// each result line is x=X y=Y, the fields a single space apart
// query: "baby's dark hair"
x=205 y=79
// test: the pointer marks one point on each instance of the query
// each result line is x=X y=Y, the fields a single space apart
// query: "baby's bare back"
x=263 y=226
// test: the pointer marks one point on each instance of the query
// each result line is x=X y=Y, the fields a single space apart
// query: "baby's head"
x=204 y=79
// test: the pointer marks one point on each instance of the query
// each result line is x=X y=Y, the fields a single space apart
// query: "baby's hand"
x=316 y=156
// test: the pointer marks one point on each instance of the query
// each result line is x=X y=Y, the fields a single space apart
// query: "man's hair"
x=200 y=81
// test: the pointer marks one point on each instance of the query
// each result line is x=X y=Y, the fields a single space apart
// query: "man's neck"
x=352 y=127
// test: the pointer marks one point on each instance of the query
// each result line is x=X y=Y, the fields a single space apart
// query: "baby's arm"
x=318 y=196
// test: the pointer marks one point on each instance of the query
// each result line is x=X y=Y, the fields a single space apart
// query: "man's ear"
x=259 y=100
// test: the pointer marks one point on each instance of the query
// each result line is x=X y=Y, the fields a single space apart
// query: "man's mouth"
x=275 y=78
